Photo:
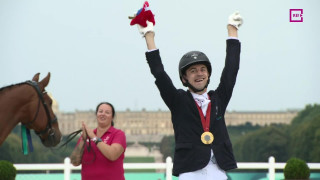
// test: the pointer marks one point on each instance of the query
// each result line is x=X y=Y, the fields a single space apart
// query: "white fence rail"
x=67 y=167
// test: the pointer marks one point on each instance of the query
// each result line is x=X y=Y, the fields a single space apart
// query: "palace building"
x=151 y=126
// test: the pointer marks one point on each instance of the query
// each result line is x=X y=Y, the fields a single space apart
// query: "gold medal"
x=207 y=137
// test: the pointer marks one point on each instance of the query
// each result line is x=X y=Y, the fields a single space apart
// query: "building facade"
x=151 y=126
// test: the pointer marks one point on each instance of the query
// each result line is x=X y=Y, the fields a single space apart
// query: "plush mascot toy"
x=144 y=19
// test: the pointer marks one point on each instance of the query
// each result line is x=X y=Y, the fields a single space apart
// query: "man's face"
x=197 y=75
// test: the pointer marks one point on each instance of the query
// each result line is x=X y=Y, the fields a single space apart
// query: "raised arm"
x=144 y=19
x=150 y=41
x=230 y=71
x=232 y=31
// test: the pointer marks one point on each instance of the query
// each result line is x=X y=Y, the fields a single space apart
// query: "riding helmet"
x=191 y=58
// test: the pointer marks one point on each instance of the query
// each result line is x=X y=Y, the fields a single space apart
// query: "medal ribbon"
x=205 y=120
x=26 y=140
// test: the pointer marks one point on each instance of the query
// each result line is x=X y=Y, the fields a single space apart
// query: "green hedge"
x=296 y=169
x=7 y=170
x=139 y=160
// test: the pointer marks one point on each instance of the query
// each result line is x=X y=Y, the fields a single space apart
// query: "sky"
x=94 y=55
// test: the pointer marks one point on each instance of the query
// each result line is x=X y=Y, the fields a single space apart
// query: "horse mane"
x=10 y=86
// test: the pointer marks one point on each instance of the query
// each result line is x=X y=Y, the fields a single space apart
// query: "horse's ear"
x=36 y=77
x=44 y=82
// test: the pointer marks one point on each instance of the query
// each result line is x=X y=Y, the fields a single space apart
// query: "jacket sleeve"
x=230 y=71
x=163 y=81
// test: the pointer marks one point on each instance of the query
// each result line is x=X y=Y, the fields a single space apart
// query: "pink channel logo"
x=296 y=15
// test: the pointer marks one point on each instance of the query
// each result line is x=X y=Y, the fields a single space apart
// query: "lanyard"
x=205 y=120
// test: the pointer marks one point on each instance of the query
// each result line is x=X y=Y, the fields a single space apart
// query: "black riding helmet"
x=191 y=58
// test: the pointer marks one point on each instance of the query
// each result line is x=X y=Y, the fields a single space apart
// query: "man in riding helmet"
x=203 y=149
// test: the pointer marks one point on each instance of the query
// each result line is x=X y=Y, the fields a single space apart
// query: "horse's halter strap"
x=50 y=121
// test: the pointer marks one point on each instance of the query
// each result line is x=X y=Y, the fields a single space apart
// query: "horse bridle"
x=50 y=121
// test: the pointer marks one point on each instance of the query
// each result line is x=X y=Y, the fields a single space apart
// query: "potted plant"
x=7 y=170
x=296 y=169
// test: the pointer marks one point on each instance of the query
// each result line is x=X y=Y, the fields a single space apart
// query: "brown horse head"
x=44 y=121
x=29 y=103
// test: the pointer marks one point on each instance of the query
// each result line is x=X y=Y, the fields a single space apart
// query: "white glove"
x=235 y=19
x=144 y=30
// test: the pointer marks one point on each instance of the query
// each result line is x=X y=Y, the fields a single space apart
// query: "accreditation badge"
x=207 y=137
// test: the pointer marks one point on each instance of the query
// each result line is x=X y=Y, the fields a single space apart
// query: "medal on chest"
x=206 y=137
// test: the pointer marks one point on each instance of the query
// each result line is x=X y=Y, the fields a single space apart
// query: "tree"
x=259 y=145
x=167 y=147
x=306 y=138
x=300 y=139
x=306 y=115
